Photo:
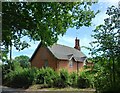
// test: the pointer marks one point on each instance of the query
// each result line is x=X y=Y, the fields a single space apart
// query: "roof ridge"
x=66 y=46
x=70 y=47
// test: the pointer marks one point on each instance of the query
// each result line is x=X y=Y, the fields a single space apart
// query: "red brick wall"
x=40 y=57
x=65 y=64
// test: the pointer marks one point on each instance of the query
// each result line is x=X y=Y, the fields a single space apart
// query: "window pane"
x=71 y=63
x=46 y=63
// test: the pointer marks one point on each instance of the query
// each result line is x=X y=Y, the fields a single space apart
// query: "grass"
x=38 y=87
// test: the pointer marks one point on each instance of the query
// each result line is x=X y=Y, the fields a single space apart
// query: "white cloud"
x=110 y=2
x=99 y=19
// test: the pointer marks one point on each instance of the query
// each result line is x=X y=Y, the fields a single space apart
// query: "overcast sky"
x=84 y=33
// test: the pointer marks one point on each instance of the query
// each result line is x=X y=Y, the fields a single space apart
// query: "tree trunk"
x=10 y=53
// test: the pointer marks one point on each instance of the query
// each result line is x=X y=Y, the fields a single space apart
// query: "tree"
x=41 y=21
x=107 y=50
x=23 y=60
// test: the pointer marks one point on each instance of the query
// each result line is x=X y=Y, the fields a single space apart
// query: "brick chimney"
x=77 y=46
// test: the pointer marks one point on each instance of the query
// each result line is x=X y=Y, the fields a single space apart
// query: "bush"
x=73 y=79
x=62 y=80
x=9 y=67
x=104 y=85
x=83 y=81
x=21 y=79
x=46 y=76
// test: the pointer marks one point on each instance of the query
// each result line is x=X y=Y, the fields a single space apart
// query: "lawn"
x=38 y=88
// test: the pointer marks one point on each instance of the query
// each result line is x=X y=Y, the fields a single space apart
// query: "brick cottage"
x=58 y=57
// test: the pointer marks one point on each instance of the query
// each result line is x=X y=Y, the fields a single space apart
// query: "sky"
x=84 y=33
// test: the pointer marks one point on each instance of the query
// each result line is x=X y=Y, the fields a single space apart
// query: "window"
x=46 y=63
x=71 y=63
x=43 y=55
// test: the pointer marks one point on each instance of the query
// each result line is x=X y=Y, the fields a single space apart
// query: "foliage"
x=23 y=60
x=3 y=55
x=83 y=81
x=73 y=79
x=42 y=21
x=106 y=51
x=21 y=78
x=46 y=76
x=17 y=64
x=5 y=69
x=62 y=79
x=10 y=66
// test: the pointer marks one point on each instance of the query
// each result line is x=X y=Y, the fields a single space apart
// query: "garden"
x=18 y=76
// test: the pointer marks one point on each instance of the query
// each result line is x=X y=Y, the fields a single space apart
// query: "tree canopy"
x=42 y=21
x=23 y=60
x=106 y=52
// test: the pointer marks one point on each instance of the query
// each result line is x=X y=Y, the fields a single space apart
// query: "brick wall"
x=42 y=55
x=65 y=64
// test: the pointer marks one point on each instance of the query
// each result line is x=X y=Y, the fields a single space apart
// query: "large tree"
x=41 y=21
x=107 y=51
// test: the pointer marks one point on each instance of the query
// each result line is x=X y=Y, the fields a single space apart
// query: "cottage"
x=58 y=57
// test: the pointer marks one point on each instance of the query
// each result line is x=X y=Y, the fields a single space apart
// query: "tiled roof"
x=65 y=52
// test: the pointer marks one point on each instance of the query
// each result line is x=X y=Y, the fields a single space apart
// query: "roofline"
x=35 y=52
x=72 y=57
x=40 y=44
x=52 y=53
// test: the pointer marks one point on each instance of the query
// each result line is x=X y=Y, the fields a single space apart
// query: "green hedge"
x=24 y=77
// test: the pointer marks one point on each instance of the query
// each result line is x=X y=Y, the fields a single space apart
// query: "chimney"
x=77 y=46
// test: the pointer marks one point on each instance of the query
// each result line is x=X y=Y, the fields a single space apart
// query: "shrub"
x=22 y=78
x=62 y=80
x=73 y=79
x=104 y=85
x=8 y=67
x=58 y=82
x=46 y=76
x=83 y=82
